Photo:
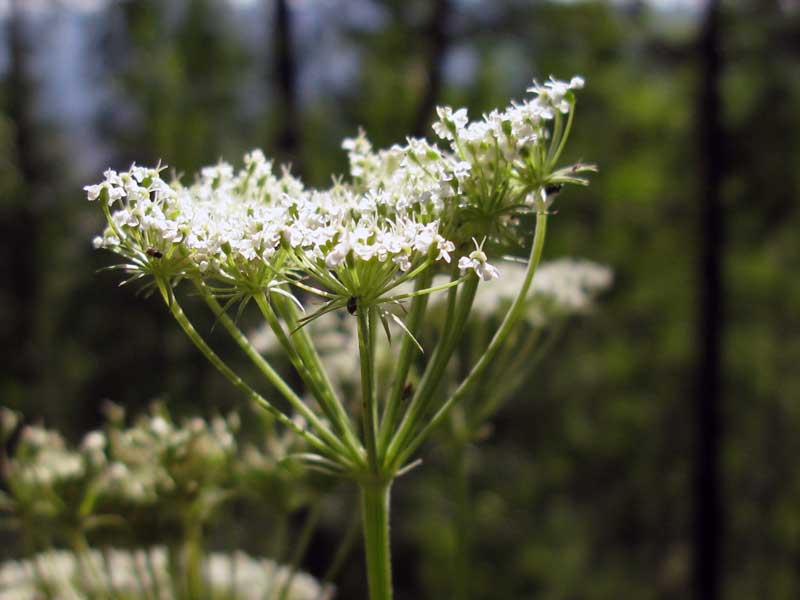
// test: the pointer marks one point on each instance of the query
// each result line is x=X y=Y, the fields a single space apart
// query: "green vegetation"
x=583 y=486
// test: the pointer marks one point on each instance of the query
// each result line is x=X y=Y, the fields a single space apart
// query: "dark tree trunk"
x=438 y=41
x=285 y=78
x=20 y=229
x=706 y=571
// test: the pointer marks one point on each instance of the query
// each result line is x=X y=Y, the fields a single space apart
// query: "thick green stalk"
x=233 y=590
x=509 y=321
x=375 y=498
x=280 y=538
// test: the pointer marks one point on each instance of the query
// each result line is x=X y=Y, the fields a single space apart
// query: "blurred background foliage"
x=604 y=478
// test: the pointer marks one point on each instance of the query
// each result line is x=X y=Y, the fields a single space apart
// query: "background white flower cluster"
x=145 y=574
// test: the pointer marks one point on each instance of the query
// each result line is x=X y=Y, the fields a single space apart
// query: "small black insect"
x=408 y=391
x=553 y=189
x=352 y=305
x=154 y=253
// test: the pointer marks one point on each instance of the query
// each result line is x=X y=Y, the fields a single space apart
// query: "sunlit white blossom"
x=478 y=262
x=247 y=228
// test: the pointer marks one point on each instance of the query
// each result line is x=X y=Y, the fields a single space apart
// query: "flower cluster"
x=511 y=156
x=561 y=288
x=47 y=480
x=367 y=244
x=157 y=458
x=154 y=482
x=138 y=573
x=54 y=484
x=403 y=209
x=156 y=467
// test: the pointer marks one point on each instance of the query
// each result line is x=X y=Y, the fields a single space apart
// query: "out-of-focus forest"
x=654 y=454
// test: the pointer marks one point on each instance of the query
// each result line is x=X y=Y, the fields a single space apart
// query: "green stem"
x=512 y=367
x=294 y=357
x=369 y=408
x=272 y=376
x=108 y=573
x=309 y=358
x=303 y=541
x=233 y=590
x=563 y=141
x=375 y=498
x=177 y=580
x=172 y=303
x=153 y=574
x=509 y=321
x=280 y=537
x=461 y=522
x=86 y=568
x=530 y=356
x=556 y=139
x=407 y=350
x=415 y=416
x=193 y=558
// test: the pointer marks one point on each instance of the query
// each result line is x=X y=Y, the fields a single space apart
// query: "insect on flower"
x=352 y=305
x=553 y=189
x=154 y=253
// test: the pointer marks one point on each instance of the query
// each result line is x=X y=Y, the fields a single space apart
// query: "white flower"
x=113 y=193
x=445 y=247
x=477 y=261
x=338 y=255
x=552 y=95
x=449 y=123
x=402 y=261
x=94 y=441
x=160 y=427
x=117 y=471
x=576 y=83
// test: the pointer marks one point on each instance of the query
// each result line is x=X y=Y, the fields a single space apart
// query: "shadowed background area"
x=654 y=453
